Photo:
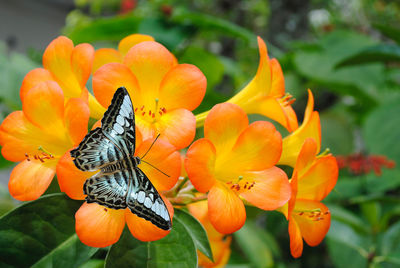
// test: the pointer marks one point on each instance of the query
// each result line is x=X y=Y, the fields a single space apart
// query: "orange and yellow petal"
x=30 y=179
x=81 y=63
x=33 y=78
x=109 y=78
x=144 y=230
x=70 y=178
x=257 y=148
x=178 y=127
x=131 y=40
x=319 y=180
x=98 y=226
x=296 y=240
x=292 y=144
x=103 y=56
x=315 y=226
x=271 y=188
x=225 y=209
x=278 y=81
x=200 y=164
x=307 y=156
x=223 y=125
x=163 y=156
x=76 y=118
x=184 y=86
x=149 y=61
x=44 y=106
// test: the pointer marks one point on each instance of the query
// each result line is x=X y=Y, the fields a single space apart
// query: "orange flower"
x=310 y=128
x=98 y=226
x=236 y=159
x=163 y=92
x=313 y=179
x=70 y=66
x=265 y=94
x=39 y=135
x=220 y=244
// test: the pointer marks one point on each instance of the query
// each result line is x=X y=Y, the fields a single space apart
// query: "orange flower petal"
x=57 y=60
x=296 y=240
x=33 y=78
x=199 y=164
x=44 y=106
x=149 y=61
x=81 y=62
x=163 y=156
x=178 y=127
x=292 y=144
x=70 y=178
x=319 y=180
x=103 y=56
x=30 y=179
x=257 y=148
x=278 y=81
x=306 y=156
x=128 y=42
x=109 y=78
x=144 y=230
x=271 y=189
x=313 y=228
x=76 y=120
x=223 y=126
x=17 y=136
x=225 y=209
x=184 y=86
x=98 y=226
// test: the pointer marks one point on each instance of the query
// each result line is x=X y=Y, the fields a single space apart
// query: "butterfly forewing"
x=144 y=201
x=119 y=183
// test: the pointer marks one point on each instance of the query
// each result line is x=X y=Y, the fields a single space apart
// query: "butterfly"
x=120 y=183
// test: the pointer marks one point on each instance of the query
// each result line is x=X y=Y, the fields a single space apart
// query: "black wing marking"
x=118 y=121
x=108 y=189
x=95 y=151
x=144 y=201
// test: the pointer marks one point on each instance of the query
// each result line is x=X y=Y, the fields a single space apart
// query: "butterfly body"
x=120 y=183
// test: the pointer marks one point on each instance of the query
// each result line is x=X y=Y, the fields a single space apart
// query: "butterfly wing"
x=114 y=141
x=118 y=122
x=144 y=201
x=108 y=189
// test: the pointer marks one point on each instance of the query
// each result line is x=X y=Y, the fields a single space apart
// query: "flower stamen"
x=312 y=214
x=287 y=100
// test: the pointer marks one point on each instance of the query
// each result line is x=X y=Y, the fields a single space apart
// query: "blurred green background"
x=347 y=52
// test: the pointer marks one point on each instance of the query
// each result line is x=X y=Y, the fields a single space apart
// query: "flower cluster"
x=233 y=165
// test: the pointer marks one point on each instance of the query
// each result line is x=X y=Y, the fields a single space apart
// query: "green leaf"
x=254 y=243
x=380 y=53
x=41 y=233
x=381 y=131
x=389 y=31
x=177 y=249
x=347 y=248
x=390 y=241
x=344 y=216
x=196 y=231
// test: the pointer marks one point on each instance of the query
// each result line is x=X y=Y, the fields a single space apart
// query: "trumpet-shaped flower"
x=220 y=243
x=265 y=94
x=39 y=135
x=98 y=226
x=163 y=92
x=233 y=160
x=313 y=179
x=68 y=65
x=107 y=55
x=310 y=128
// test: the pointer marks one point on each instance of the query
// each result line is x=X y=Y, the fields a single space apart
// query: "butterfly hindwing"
x=108 y=189
x=118 y=122
x=144 y=201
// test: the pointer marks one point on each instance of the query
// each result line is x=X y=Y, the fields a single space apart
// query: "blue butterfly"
x=110 y=150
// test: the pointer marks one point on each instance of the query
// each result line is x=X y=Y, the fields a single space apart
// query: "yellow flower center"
x=42 y=156
x=151 y=115
x=312 y=214
x=239 y=185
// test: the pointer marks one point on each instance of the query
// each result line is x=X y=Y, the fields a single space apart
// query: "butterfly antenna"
x=155 y=168
x=150 y=146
